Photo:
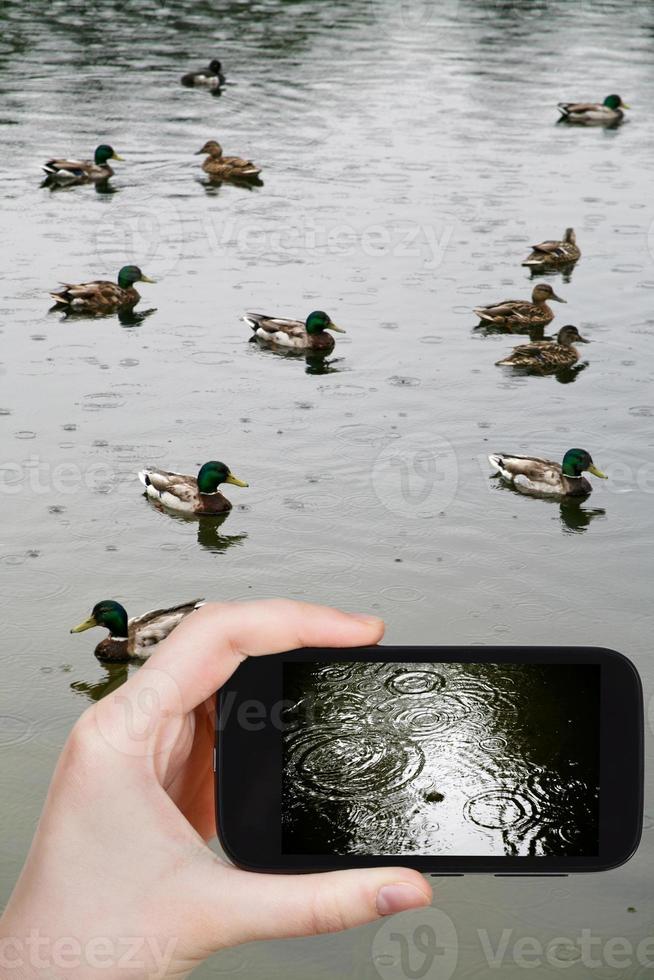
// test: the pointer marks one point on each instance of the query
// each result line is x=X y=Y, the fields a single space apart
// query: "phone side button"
x=447 y=874
x=215 y=766
x=527 y=875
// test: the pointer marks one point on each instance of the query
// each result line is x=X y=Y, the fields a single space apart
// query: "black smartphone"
x=450 y=760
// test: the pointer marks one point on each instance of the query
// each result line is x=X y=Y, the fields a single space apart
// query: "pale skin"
x=119 y=881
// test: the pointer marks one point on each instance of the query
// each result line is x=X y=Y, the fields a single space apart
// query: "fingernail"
x=365 y=618
x=399 y=898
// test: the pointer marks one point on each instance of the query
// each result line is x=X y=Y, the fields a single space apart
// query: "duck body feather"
x=534 y=475
x=180 y=492
x=227 y=167
x=99 y=296
x=513 y=312
x=282 y=332
x=589 y=113
x=79 y=171
x=211 y=77
x=541 y=355
x=550 y=254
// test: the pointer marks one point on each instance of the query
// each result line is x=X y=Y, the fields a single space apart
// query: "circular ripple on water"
x=98 y=401
x=332 y=709
x=500 y=810
x=14 y=730
x=415 y=682
x=494 y=743
x=336 y=672
x=339 y=766
x=426 y=717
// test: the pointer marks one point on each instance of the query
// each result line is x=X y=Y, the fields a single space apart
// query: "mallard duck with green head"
x=190 y=494
x=221 y=167
x=102 y=296
x=547 y=355
x=83 y=171
x=522 y=313
x=309 y=334
x=133 y=639
x=211 y=77
x=610 y=111
x=550 y=254
x=533 y=475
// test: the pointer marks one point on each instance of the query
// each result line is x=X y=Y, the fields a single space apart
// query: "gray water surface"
x=410 y=157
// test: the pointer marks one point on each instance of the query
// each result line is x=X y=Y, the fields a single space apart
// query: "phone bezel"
x=249 y=762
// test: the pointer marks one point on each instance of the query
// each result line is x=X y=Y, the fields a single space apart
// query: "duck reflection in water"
x=114 y=676
x=210 y=538
x=214 y=185
x=575 y=518
x=317 y=362
x=133 y=317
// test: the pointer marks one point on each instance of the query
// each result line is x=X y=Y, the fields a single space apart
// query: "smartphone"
x=450 y=760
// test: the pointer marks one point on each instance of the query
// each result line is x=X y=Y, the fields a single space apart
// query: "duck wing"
x=512 y=308
x=179 y=485
x=67 y=168
x=152 y=627
x=274 y=324
x=97 y=293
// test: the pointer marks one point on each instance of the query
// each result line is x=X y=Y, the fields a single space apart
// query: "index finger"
x=203 y=652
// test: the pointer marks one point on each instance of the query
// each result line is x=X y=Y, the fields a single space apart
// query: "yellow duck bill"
x=593 y=469
x=234 y=480
x=88 y=624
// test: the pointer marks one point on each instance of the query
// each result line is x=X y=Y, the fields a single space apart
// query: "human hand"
x=119 y=881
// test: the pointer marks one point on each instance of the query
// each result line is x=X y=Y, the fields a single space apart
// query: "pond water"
x=410 y=158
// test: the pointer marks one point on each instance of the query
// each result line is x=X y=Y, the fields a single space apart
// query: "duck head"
x=213 y=473
x=544 y=292
x=318 y=321
x=109 y=614
x=578 y=461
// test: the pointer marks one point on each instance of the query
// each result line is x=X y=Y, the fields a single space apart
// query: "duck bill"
x=234 y=480
x=116 y=156
x=88 y=624
x=332 y=326
x=147 y=279
x=623 y=105
x=558 y=298
x=593 y=469
x=582 y=340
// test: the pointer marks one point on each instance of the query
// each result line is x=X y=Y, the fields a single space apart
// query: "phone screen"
x=453 y=759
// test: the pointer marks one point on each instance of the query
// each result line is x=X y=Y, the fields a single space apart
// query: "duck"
x=197 y=495
x=217 y=165
x=533 y=475
x=547 y=355
x=102 y=296
x=553 y=253
x=210 y=77
x=82 y=171
x=611 y=110
x=133 y=639
x=308 y=335
x=515 y=312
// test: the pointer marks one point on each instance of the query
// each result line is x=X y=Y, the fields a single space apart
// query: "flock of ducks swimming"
x=201 y=496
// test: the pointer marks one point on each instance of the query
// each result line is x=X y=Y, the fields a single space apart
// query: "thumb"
x=263 y=906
